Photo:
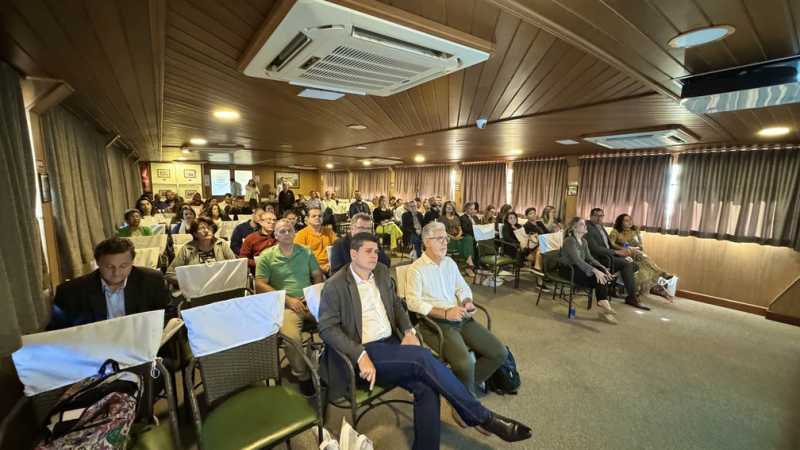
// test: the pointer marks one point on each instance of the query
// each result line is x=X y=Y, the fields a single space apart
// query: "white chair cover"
x=168 y=217
x=55 y=359
x=198 y=210
x=550 y=242
x=222 y=325
x=158 y=242
x=402 y=277
x=483 y=232
x=147 y=257
x=179 y=240
x=244 y=217
x=312 y=296
x=158 y=229
x=329 y=250
x=199 y=280
x=226 y=229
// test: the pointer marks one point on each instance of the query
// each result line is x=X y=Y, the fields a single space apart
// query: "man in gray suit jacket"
x=601 y=250
x=361 y=317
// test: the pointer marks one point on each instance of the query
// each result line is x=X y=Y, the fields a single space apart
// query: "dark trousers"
x=416 y=370
x=587 y=281
x=627 y=270
x=416 y=241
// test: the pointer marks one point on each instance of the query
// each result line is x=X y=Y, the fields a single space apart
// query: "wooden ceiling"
x=153 y=71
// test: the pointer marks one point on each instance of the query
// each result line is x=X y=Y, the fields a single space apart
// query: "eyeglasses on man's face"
x=440 y=239
x=284 y=231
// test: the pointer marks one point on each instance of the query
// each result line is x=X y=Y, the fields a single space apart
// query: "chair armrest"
x=189 y=386
x=173 y=408
x=436 y=328
x=486 y=312
x=314 y=372
x=12 y=415
x=351 y=373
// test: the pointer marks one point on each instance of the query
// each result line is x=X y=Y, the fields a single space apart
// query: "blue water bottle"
x=571 y=313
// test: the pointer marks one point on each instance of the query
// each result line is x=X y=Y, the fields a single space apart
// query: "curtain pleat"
x=435 y=180
x=485 y=184
x=336 y=182
x=371 y=183
x=750 y=196
x=634 y=185
x=538 y=184
x=406 y=182
x=22 y=309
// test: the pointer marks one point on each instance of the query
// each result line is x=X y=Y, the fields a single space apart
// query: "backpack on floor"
x=505 y=380
x=95 y=413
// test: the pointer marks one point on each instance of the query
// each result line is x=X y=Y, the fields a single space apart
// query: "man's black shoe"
x=636 y=303
x=307 y=388
x=506 y=429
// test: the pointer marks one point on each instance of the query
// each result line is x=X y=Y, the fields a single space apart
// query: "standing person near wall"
x=285 y=198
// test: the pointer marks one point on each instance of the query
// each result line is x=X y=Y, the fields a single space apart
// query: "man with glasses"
x=435 y=288
x=290 y=267
x=340 y=253
x=255 y=243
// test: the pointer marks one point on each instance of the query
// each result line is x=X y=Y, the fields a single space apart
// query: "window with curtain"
x=428 y=181
x=751 y=196
x=371 y=183
x=484 y=183
x=336 y=182
x=538 y=184
x=634 y=185
x=22 y=308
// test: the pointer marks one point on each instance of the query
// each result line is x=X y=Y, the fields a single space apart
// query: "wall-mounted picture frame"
x=572 y=189
x=163 y=173
x=189 y=173
x=44 y=187
x=292 y=177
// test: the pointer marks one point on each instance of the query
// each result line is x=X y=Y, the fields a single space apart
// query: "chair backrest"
x=329 y=251
x=147 y=257
x=483 y=232
x=158 y=229
x=550 y=242
x=198 y=210
x=235 y=341
x=158 y=242
x=226 y=229
x=313 y=295
x=200 y=280
x=402 y=276
x=244 y=217
x=179 y=240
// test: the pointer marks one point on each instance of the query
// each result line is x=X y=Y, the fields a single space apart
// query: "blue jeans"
x=416 y=370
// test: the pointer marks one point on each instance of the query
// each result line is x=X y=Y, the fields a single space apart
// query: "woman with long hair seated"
x=215 y=213
x=511 y=245
x=626 y=235
x=589 y=273
x=383 y=217
x=490 y=215
x=460 y=243
x=187 y=219
x=548 y=220
x=203 y=248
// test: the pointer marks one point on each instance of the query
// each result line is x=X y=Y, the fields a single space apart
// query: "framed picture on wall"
x=163 y=173
x=292 y=177
x=189 y=173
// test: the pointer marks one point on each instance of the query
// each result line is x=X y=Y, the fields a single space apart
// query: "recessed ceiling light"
x=567 y=142
x=329 y=166
x=226 y=114
x=285 y=146
x=366 y=163
x=419 y=158
x=357 y=126
x=774 y=131
x=516 y=152
x=179 y=159
x=198 y=141
x=361 y=147
x=420 y=143
x=320 y=94
x=701 y=36
x=186 y=151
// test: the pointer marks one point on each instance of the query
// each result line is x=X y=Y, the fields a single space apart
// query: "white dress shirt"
x=430 y=285
x=374 y=320
x=115 y=300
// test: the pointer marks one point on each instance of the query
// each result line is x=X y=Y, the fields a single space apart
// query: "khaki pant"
x=292 y=325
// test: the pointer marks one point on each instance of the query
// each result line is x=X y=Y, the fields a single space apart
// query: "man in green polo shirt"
x=290 y=267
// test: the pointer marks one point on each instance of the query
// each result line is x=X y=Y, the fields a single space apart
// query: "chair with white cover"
x=209 y=282
x=488 y=255
x=235 y=344
x=226 y=229
x=179 y=240
x=312 y=295
x=242 y=218
x=149 y=250
x=50 y=362
x=147 y=257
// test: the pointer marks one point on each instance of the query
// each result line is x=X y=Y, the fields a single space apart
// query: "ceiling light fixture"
x=701 y=36
x=198 y=141
x=357 y=126
x=186 y=151
x=366 y=163
x=567 y=142
x=226 y=114
x=361 y=147
x=419 y=159
x=774 y=131
x=329 y=166
x=516 y=152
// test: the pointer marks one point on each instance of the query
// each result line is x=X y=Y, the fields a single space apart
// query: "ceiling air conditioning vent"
x=627 y=140
x=322 y=45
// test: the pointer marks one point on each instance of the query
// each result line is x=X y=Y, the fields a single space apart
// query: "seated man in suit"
x=340 y=253
x=435 y=288
x=290 y=267
x=601 y=250
x=412 y=227
x=115 y=289
x=361 y=317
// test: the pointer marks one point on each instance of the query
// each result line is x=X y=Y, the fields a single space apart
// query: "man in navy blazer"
x=117 y=288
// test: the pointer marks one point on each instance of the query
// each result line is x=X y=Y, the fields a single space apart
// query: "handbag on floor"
x=95 y=413
x=505 y=380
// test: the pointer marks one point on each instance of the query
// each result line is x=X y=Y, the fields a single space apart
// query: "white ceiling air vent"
x=322 y=45
x=664 y=137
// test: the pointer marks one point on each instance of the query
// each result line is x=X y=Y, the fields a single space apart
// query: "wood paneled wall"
x=744 y=272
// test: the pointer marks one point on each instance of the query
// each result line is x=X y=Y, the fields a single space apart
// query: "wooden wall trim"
x=724 y=302
x=783 y=318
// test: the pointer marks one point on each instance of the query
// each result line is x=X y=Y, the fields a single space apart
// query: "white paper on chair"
x=522 y=237
x=198 y=280
x=147 y=257
x=222 y=325
x=550 y=242
x=312 y=295
x=54 y=359
x=483 y=232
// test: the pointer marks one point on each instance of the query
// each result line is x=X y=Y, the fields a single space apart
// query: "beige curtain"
x=126 y=187
x=751 y=196
x=22 y=310
x=336 y=182
x=635 y=185
x=485 y=184
x=538 y=184
x=435 y=180
x=84 y=211
x=406 y=182
x=371 y=183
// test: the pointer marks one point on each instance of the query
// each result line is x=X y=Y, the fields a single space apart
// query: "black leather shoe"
x=633 y=301
x=506 y=429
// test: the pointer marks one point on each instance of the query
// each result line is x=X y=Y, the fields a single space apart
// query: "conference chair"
x=201 y=284
x=50 y=362
x=235 y=344
x=487 y=255
x=151 y=251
